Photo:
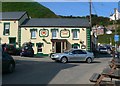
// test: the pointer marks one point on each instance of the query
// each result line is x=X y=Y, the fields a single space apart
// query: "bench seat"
x=95 y=77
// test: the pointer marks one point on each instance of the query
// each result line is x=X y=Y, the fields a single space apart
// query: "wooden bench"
x=115 y=74
x=95 y=77
x=112 y=72
x=107 y=72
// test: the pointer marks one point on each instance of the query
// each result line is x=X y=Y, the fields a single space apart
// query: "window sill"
x=75 y=39
x=33 y=38
x=55 y=38
x=6 y=34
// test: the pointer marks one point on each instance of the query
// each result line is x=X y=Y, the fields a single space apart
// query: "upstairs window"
x=75 y=34
x=54 y=34
x=33 y=33
x=6 y=29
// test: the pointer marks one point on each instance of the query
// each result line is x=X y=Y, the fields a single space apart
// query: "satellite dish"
x=109 y=32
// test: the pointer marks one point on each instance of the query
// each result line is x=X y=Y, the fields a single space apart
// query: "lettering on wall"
x=65 y=33
x=43 y=33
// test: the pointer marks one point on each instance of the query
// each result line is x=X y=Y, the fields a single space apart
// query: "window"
x=82 y=52
x=6 y=28
x=54 y=34
x=33 y=34
x=76 y=47
x=75 y=34
x=39 y=48
x=75 y=52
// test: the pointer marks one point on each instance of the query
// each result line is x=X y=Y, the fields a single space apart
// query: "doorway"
x=12 y=40
x=58 y=47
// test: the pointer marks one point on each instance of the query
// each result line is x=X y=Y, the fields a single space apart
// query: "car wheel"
x=89 y=60
x=64 y=60
x=11 y=68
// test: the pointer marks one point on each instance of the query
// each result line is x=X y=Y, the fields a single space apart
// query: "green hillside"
x=34 y=9
x=105 y=39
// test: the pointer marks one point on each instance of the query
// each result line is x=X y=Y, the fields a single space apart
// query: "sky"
x=81 y=8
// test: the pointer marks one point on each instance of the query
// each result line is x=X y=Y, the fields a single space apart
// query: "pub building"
x=47 y=35
x=56 y=35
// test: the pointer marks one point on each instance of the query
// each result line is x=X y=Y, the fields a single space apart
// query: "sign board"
x=65 y=33
x=119 y=6
x=116 y=38
x=43 y=33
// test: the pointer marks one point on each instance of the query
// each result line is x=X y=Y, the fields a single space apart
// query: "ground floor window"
x=76 y=46
x=39 y=47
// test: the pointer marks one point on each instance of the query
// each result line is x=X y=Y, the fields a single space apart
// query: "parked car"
x=8 y=63
x=27 y=51
x=103 y=50
x=11 y=49
x=73 y=55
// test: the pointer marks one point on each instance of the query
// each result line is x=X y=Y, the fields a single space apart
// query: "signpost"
x=116 y=38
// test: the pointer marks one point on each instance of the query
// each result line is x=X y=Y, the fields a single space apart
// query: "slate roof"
x=11 y=15
x=56 y=22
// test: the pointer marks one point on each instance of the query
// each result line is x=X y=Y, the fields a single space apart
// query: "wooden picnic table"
x=115 y=63
x=116 y=60
x=113 y=72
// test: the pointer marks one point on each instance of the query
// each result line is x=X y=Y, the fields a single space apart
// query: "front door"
x=58 y=47
x=12 y=40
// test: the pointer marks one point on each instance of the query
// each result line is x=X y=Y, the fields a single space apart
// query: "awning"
x=58 y=40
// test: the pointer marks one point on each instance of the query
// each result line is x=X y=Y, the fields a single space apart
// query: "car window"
x=75 y=52
x=81 y=52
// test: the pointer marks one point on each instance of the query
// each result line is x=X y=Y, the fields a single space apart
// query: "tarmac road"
x=45 y=71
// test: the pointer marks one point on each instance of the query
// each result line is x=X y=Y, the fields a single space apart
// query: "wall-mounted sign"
x=43 y=33
x=65 y=33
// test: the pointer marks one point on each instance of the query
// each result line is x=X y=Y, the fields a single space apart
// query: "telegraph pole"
x=115 y=22
x=90 y=3
x=115 y=29
x=90 y=13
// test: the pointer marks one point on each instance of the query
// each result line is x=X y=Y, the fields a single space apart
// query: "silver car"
x=73 y=55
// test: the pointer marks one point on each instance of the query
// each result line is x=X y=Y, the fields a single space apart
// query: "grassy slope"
x=34 y=9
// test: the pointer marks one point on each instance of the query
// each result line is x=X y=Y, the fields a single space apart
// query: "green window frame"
x=54 y=33
x=76 y=45
x=6 y=30
x=77 y=33
x=33 y=34
x=39 y=47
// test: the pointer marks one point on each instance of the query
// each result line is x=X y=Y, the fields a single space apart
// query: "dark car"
x=8 y=63
x=11 y=49
x=27 y=51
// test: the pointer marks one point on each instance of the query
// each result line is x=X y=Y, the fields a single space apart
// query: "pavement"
x=45 y=71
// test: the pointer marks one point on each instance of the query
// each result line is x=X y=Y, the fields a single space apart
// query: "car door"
x=82 y=55
x=73 y=55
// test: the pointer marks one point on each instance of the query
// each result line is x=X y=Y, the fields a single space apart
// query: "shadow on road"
x=84 y=62
x=103 y=55
x=34 y=72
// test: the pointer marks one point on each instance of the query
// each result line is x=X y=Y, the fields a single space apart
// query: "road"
x=45 y=71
